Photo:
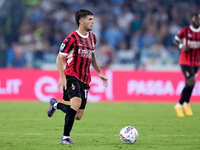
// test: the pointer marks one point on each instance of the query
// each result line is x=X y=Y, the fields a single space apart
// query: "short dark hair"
x=81 y=14
x=195 y=14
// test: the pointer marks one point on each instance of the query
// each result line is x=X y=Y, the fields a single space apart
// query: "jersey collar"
x=83 y=36
x=193 y=29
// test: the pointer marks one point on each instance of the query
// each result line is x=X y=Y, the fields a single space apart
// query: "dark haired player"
x=188 y=41
x=78 y=50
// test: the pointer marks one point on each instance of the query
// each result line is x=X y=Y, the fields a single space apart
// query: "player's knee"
x=191 y=82
x=75 y=103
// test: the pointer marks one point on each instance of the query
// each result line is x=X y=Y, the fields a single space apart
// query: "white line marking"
x=22 y=133
x=171 y=135
x=88 y=134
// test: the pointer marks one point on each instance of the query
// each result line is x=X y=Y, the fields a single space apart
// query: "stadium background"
x=135 y=47
x=136 y=53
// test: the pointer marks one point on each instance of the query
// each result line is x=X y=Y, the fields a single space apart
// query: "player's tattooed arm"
x=95 y=64
x=98 y=69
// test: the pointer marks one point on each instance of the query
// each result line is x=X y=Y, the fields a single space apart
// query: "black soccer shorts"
x=76 y=88
x=189 y=71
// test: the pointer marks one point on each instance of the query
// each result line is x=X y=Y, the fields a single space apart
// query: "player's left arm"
x=177 y=41
x=98 y=70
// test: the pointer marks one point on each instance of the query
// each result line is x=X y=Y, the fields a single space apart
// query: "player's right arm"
x=178 y=43
x=65 y=47
x=59 y=63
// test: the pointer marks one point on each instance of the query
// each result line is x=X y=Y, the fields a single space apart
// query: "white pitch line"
x=85 y=134
x=88 y=134
x=22 y=133
x=171 y=135
x=95 y=134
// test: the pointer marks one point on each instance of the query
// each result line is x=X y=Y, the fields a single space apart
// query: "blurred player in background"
x=78 y=50
x=188 y=41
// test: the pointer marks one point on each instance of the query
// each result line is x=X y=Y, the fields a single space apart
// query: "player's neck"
x=83 y=32
x=194 y=26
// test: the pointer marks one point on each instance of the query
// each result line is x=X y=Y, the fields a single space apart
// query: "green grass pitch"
x=25 y=126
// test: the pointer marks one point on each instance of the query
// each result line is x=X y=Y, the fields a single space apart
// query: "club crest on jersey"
x=189 y=35
x=62 y=46
x=73 y=86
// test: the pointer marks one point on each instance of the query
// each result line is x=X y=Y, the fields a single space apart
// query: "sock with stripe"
x=69 y=121
x=63 y=107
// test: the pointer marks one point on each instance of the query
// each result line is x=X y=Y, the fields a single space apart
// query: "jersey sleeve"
x=66 y=46
x=95 y=39
x=94 y=43
x=180 y=35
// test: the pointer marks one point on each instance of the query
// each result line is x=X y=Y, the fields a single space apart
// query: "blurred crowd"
x=130 y=34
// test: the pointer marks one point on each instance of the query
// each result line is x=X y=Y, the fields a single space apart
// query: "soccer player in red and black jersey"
x=78 y=50
x=188 y=41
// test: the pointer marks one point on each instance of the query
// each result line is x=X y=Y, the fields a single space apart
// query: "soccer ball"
x=128 y=134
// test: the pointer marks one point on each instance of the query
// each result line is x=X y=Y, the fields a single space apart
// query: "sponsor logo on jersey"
x=85 y=53
x=193 y=44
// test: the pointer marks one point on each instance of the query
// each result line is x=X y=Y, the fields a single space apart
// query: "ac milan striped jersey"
x=191 y=37
x=78 y=50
